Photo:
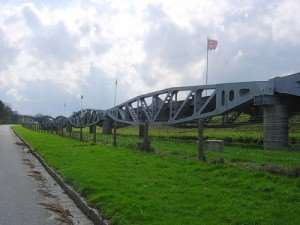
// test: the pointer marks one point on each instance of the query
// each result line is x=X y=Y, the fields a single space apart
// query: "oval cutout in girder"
x=231 y=95
x=223 y=98
x=244 y=91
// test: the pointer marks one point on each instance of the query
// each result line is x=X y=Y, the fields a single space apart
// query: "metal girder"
x=87 y=117
x=46 y=122
x=184 y=104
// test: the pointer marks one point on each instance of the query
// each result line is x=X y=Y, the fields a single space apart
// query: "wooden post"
x=114 y=134
x=201 y=155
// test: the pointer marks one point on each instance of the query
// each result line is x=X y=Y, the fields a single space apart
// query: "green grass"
x=131 y=187
x=245 y=134
x=186 y=149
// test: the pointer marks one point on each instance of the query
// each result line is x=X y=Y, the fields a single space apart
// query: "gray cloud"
x=172 y=45
x=51 y=43
x=8 y=53
x=256 y=42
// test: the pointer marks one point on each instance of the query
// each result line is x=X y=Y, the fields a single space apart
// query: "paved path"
x=18 y=196
x=21 y=195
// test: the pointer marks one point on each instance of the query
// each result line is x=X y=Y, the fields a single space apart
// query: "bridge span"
x=277 y=98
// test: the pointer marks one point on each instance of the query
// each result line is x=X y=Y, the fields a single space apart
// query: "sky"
x=52 y=52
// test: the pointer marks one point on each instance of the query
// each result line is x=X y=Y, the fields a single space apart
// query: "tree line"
x=7 y=115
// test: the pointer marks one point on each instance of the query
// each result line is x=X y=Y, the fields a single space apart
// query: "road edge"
x=79 y=201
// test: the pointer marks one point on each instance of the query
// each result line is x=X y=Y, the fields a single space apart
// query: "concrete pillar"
x=69 y=129
x=107 y=126
x=201 y=155
x=146 y=145
x=275 y=126
x=141 y=130
x=81 y=134
x=94 y=131
x=91 y=129
x=115 y=134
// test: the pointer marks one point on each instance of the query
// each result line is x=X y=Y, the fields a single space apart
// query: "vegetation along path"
x=132 y=187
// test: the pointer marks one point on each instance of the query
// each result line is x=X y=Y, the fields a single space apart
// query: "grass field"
x=246 y=134
x=132 y=187
x=186 y=148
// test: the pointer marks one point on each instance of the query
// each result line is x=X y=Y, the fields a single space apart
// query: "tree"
x=6 y=114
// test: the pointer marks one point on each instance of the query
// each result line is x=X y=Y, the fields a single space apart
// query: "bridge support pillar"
x=141 y=130
x=91 y=129
x=146 y=145
x=107 y=126
x=69 y=129
x=201 y=155
x=275 y=126
x=81 y=134
x=115 y=133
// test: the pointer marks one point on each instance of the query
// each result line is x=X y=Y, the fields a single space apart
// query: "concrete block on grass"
x=214 y=145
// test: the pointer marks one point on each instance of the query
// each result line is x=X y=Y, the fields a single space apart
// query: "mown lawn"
x=245 y=134
x=131 y=187
x=187 y=149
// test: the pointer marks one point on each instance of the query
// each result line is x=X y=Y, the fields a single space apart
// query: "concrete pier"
x=146 y=145
x=275 y=126
x=201 y=154
x=107 y=126
x=141 y=130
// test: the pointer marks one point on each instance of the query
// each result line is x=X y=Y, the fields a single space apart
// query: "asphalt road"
x=19 y=200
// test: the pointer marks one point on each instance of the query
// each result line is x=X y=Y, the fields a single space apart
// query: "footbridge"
x=277 y=98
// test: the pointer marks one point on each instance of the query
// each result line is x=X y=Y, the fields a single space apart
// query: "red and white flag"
x=212 y=44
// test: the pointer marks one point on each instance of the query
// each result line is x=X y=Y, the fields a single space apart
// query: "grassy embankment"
x=131 y=187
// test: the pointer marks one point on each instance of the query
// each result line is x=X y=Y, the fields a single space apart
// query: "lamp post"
x=65 y=105
x=81 y=115
x=81 y=103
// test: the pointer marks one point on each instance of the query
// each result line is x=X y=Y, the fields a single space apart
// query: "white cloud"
x=15 y=95
x=285 y=22
x=51 y=52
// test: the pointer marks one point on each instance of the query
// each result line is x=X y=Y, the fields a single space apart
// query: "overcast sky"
x=51 y=52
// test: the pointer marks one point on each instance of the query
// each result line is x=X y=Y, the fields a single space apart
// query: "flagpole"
x=206 y=77
x=115 y=95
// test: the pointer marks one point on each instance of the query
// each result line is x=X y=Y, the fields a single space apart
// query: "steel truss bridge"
x=178 y=105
